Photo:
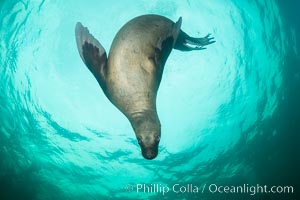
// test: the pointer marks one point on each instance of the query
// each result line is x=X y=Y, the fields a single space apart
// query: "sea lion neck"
x=145 y=119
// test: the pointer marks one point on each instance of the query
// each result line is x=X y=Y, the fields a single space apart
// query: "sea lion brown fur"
x=131 y=74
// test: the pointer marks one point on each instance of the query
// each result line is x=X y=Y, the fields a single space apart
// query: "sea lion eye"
x=157 y=138
x=140 y=140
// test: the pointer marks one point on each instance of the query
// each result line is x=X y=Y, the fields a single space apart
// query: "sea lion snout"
x=150 y=153
x=149 y=146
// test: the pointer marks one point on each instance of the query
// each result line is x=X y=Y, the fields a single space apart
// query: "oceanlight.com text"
x=208 y=188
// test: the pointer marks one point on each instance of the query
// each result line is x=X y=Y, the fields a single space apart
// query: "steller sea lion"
x=131 y=74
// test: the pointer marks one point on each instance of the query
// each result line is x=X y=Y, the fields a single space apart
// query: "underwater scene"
x=229 y=114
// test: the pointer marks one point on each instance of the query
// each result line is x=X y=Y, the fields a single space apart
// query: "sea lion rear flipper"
x=92 y=53
x=176 y=30
x=186 y=43
x=166 y=43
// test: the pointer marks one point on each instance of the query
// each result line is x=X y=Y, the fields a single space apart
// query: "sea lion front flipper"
x=186 y=43
x=92 y=53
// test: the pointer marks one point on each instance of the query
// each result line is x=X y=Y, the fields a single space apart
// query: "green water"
x=229 y=114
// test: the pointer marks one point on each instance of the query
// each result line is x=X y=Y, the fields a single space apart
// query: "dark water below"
x=229 y=114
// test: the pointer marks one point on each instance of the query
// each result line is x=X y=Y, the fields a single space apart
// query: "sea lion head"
x=149 y=144
x=147 y=131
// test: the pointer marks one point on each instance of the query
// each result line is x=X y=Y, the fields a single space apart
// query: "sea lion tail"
x=92 y=53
